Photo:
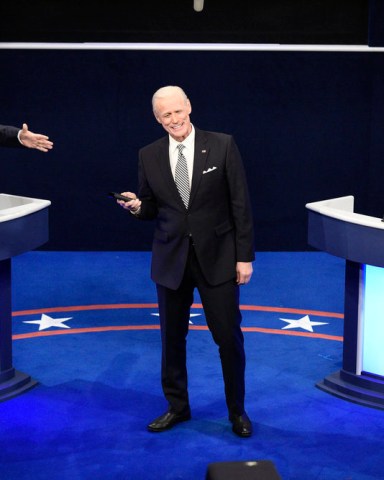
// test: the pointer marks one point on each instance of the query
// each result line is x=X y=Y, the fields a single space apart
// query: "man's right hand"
x=133 y=205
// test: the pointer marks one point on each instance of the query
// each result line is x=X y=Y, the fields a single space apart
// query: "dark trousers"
x=222 y=312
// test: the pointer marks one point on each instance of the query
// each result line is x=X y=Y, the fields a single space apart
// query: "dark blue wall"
x=242 y=21
x=309 y=126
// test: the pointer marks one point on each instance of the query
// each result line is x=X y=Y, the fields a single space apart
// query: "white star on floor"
x=47 y=322
x=191 y=315
x=303 y=322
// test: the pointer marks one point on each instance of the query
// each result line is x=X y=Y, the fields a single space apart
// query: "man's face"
x=172 y=112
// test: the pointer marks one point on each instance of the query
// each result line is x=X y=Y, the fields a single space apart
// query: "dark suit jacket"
x=8 y=136
x=219 y=216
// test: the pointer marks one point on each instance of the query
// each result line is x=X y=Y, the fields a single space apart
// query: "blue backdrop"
x=309 y=126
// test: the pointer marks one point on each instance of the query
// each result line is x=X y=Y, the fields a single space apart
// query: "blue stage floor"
x=85 y=326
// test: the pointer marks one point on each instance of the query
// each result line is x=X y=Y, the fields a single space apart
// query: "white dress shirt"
x=188 y=152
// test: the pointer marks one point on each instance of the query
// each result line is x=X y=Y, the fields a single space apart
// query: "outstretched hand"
x=34 y=140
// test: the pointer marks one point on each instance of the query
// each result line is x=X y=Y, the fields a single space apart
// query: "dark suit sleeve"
x=240 y=204
x=8 y=136
x=148 y=210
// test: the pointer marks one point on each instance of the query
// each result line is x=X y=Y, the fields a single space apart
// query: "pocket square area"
x=211 y=169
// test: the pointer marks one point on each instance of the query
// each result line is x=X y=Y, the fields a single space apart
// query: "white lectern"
x=335 y=228
x=23 y=227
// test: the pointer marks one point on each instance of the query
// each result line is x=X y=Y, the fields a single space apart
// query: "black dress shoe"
x=168 y=420
x=241 y=425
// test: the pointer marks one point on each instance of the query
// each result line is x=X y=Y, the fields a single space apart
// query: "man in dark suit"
x=19 y=137
x=203 y=239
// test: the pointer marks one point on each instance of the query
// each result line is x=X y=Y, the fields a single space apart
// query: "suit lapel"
x=199 y=164
x=200 y=161
x=166 y=172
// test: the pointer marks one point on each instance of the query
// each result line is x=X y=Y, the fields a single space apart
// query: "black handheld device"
x=117 y=196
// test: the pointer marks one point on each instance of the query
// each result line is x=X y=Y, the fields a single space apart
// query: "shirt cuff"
x=18 y=137
x=136 y=212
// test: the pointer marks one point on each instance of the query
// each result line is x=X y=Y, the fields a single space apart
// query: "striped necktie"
x=181 y=176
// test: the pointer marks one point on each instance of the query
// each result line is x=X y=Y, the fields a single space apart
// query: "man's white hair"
x=164 y=92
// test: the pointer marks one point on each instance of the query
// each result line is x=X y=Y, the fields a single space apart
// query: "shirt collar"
x=188 y=142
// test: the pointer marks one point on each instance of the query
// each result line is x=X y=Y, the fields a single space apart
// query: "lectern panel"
x=373 y=317
x=23 y=227
x=334 y=227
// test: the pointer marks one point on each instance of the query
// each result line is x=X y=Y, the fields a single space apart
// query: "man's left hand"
x=243 y=272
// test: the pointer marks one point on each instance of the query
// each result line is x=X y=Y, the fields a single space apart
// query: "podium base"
x=362 y=389
x=17 y=384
